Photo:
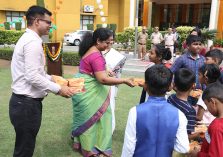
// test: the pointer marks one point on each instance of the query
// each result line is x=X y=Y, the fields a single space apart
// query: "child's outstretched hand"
x=129 y=82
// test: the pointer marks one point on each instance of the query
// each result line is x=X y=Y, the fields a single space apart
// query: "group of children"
x=160 y=126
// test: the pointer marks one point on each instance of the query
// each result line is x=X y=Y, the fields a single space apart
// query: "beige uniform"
x=142 y=38
x=156 y=38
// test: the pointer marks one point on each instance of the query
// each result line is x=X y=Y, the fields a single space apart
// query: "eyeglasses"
x=46 y=21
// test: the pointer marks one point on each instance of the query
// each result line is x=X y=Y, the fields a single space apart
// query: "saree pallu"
x=92 y=118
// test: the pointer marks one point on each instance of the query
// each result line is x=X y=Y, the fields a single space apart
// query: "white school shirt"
x=27 y=68
x=207 y=117
x=181 y=144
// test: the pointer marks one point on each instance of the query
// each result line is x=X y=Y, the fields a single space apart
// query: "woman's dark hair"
x=162 y=52
x=89 y=39
x=211 y=72
x=196 y=29
x=34 y=12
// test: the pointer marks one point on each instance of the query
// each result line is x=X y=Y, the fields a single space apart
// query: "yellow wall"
x=13 y=5
x=113 y=13
x=16 y=5
x=124 y=6
x=67 y=18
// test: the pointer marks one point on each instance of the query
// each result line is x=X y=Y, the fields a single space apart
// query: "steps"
x=135 y=67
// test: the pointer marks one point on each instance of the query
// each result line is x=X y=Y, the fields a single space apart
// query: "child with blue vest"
x=155 y=128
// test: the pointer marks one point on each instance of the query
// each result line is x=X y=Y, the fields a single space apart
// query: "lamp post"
x=136 y=27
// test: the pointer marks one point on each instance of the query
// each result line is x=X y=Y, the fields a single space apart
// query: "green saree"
x=92 y=128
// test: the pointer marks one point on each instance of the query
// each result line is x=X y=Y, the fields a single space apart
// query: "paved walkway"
x=132 y=67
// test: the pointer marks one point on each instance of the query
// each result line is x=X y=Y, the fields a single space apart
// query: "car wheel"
x=77 y=42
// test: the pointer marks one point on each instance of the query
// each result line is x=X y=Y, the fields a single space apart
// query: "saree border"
x=81 y=129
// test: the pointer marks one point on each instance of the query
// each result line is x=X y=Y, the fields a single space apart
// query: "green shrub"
x=7 y=25
x=18 y=26
x=6 y=53
x=218 y=42
x=208 y=34
x=113 y=27
x=90 y=27
x=40 y=3
x=69 y=58
x=9 y=36
x=98 y=26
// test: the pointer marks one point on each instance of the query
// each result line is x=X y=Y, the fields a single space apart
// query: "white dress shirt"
x=27 y=68
x=181 y=144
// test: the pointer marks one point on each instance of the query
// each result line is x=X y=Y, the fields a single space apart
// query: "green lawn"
x=54 y=137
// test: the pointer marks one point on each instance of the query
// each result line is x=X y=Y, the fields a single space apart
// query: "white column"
x=213 y=17
x=132 y=13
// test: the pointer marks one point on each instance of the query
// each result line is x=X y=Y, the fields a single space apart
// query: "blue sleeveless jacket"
x=156 y=127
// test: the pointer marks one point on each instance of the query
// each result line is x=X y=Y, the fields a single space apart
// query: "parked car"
x=75 y=37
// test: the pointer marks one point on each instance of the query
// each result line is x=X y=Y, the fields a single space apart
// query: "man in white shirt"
x=30 y=83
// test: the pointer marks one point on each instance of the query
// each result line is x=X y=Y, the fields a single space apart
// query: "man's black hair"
x=36 y=12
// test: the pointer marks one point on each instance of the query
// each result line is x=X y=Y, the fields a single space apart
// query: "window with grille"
x=14 y=16
x=86 y=19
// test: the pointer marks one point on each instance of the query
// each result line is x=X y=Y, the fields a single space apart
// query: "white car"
x=75 y=37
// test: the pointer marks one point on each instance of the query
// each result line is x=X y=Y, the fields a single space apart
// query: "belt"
x=169 y=45
x=27 y=98
x=141 y=44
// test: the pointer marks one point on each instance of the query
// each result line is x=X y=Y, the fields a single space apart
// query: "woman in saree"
x=92 y=117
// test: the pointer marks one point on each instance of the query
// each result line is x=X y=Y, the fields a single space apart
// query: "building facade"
x=70 y=15
x=201 y=13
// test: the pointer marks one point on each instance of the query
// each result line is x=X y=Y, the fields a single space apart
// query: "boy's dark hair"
x=184 y=79
x=162 y=52
x=35 y=12
x=216 y=54
x=213 y=90
x=158 y=79
x=192 y=38
x=89 y=39
x=211 y=72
